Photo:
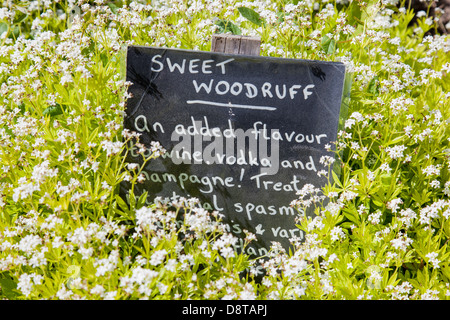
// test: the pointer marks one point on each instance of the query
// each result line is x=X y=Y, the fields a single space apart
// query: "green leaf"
x=251 y=15
x=104 y=58
x=422 y=277
x=374 y=86
x=113 y=7
x=354 y=16
x=393 y=280
x=352 y=215
x=142 y=199
x=281 y=16
x=336 y=179
x=131 y=201
x=446 y=271
x=227 y=26
x=3 y=28
x=421 y=197
x=328 y=45
x=122 y=204
x=8 y=287
x=386 y=179
x=53 y=111
x=20 y=16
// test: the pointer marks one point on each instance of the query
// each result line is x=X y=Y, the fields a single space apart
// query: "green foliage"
x=328 y=45
x=53 y=110
x=251 y=15
x=381 y=227
x=227 y=26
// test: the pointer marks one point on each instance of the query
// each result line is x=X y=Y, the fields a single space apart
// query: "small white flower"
x=401 y=242
x=394 y=204
x=337 y=233
x=375 y=217
x=432 y=258
x=395 y=152
x=158 y=257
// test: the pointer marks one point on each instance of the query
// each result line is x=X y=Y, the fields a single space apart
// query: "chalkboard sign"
x=243 y=134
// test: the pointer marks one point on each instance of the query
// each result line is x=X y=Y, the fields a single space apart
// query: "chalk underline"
x=231 y=105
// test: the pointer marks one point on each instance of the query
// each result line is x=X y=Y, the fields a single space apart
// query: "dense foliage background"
x=65 y=234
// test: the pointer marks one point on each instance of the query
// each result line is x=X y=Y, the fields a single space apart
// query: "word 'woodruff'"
x=243 y=134
x=222 y=87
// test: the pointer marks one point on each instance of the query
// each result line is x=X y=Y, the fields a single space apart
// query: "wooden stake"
x=236 y=44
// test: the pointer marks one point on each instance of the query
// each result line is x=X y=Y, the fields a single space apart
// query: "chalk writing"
x=242 y=134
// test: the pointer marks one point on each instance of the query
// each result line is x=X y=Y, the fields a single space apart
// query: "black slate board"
x=259 y=96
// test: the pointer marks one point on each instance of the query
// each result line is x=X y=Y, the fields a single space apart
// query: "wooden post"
x=236 y=44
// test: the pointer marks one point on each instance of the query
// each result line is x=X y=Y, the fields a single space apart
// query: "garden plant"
x=381 y=226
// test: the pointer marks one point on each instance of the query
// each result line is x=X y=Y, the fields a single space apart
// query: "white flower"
x=357 y=116
x=421 y=14
x=349 y=123
x=162 y=287
x=248 y=293
x=407 y=216
x=431 y=170
x=86 y=252
x=314 y=253
x=158 y=257
x=294 y=266
x=27 y=281
x=132 y=166
x=146 y=218
x=375 y=217
x=42 y=171
x=140 y=277
x=225 y=245
x=332 y=207
x=29 y=243
x=401 y=291
x=111 y=148
x=171 y=265
x=316 y=223
x=430 y=295
x=432 y=258
x=337 y=233
x=98 y=290
x=38 y=258
x=396 y=152
x=432 y=211
x=25 y=285
x=385 y=168
x=111 y=295
x=107 y=264
x=57 y=242
x=198 y=220
x=401 y=242
x=393 y=205
x=326 y=160
x=24 y=190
